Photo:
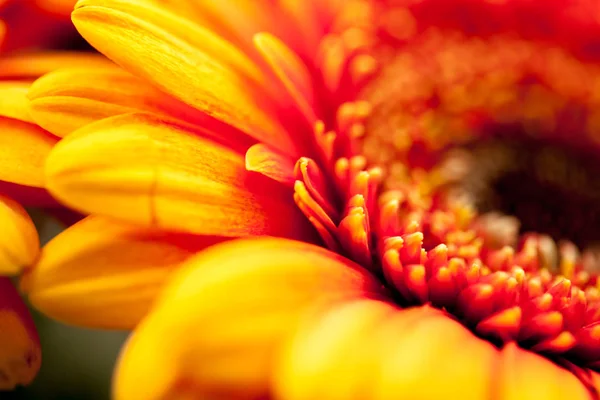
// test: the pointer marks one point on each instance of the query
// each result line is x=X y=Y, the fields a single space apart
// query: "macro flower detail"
x=443 y=152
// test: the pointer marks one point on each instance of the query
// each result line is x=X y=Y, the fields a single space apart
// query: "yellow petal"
x=142 y=169
x=13 y=100
x=367 y=350
x=104 y=274
x=194 y=34
x=19 y=242
x=67 y=99
x=523 y=375
x=240 y=300
x=20 y=352
x=23 y=150
x=192 y=74
x=31 y=66
x=290 y=70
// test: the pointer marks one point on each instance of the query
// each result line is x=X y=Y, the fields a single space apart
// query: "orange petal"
x=23 y=150
x=13 y=100
x=67 y=99
x=198 y=76
x=104 y=274
x=524 y=375
x=31 y=66
x=351 y=354
x=149 y=171
x=20 y=352
x=262 y=159
x=240 y=299
x=19 y=242
x=290 y=70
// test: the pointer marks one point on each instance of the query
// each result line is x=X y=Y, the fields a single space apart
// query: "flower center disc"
x=486 y=128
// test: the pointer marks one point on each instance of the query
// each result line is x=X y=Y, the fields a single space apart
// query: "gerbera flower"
x=24 y=146
x=36 y=23
x=412 y=135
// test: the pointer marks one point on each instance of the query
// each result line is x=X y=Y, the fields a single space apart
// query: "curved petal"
x=192 y=74
x=23 y=150
x=240 y=299
x=290 y=70
x=370 y=350
x=264 y=160
x=104 y=274
x=65 y=100
x=142 y=169
x=524 y=375
x=19 y=242
x=20 y=352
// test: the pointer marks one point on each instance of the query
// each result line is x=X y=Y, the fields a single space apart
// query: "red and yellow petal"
x=160 y=173
x=191 y=71
x=19 y=242
x=20 y=352
x=223 y=316
x=67 y=99
x=104 y=274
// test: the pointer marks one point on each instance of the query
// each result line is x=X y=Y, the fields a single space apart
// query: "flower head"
x=410 y=138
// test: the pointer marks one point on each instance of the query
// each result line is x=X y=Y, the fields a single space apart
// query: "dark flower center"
x=550 y=189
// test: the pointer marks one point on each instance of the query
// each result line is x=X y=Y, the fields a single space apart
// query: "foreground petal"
x=190 y=73
x=370 y=350
x=20 y=352
x=103 y=274
x=154 y=172
x=240 y=300
x=523 y=375
x=19 y=242
x=23 y=150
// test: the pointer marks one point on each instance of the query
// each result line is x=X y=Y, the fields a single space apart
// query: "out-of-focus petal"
x=154 y=172
x=23 y=150
x=20 y=352
x=369 y=350
x=19 y=242
x=105 y=274
x=193 y=74
x=32 y=66
x=290 y=70
x=67 y=99
x=217 y=325
x=13 y=100
x=523 y=375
